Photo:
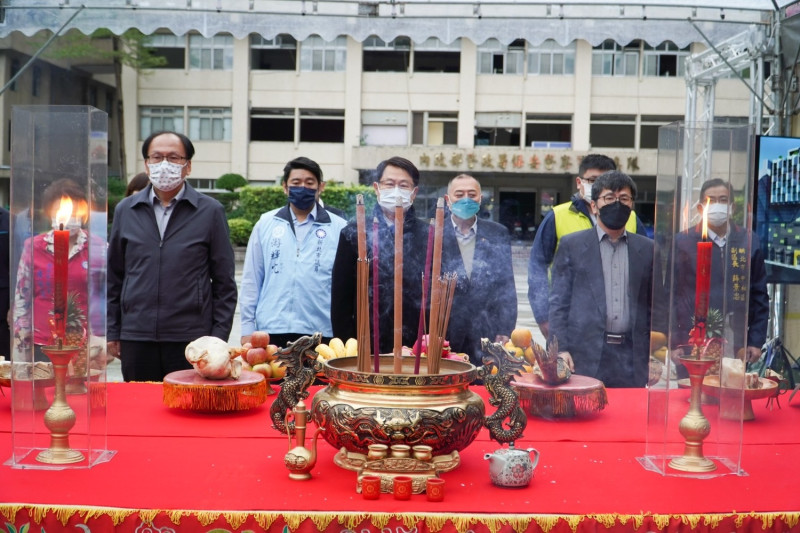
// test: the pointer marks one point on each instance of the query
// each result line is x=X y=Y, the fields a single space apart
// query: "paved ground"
x=520 y=253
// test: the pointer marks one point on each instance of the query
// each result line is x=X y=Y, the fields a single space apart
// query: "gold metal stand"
x=694 y=426
x=60 y=417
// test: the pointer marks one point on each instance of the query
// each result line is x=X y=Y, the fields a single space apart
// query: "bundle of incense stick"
x=399 y=219
x=436 y=293
x=362 y=286
x=440 y=315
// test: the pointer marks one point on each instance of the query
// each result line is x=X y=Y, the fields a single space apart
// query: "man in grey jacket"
x=170 y=266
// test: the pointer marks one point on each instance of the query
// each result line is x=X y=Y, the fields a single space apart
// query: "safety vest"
x=571 y=220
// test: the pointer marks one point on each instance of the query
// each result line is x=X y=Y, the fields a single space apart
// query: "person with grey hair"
x=601 y=316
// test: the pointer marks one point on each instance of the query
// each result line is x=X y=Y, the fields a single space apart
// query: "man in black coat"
x=397 y=177
x=479 y=252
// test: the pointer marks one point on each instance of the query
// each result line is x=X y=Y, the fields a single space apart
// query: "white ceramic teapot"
x=510 y=467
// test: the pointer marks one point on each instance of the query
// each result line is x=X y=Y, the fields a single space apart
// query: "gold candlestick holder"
x=694 y=426
x=60 y=417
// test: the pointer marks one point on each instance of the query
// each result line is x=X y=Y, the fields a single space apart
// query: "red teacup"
x=371 y=487
x=434 y=488
x=402 y=487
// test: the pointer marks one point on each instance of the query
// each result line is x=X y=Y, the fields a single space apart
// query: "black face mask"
x=614 y=216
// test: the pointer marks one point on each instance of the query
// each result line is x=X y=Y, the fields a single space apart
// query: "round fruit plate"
x=578 y=396
x=729 y=407
x=186 y=389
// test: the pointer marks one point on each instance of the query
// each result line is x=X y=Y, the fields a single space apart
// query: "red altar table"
x=176 y=470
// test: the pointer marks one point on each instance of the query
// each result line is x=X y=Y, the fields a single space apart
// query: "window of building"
x=612 y=59
x=316 y=54
x=276 y=125
x=92 y=96
x=210 y=123
x=384 y=128
x=321 y=126
x=153 y=119
x=36 y=81
x=648 y=129
x=171 y=47
x=496 y=58
x=497 y=129
x=14 y=70
x=550 y=58
x=612 y=131
x=211 y=53
x=435 y=56
x=548 y=131
x=665 y=59
x=380 y=56
x=279 y=53
x=431 y=128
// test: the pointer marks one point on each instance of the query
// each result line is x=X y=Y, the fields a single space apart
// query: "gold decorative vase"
x=358 y=409
x=694 y=426
x=60 y=418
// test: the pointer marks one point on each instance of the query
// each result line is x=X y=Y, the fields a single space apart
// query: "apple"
x=272 y=350
x=263 y=368
x=278 y=370
x=259 y=339
x=246 y=346
x=256 y=356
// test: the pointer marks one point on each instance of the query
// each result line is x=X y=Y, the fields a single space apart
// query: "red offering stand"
x=186 y=389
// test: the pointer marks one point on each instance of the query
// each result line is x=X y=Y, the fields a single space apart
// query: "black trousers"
x=616 y=366
x=151 y=361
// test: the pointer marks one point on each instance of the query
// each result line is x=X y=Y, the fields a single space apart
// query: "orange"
x=521 y=337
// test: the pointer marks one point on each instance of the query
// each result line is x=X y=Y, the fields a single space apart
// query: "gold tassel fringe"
x=236 y=397
x=562 y=403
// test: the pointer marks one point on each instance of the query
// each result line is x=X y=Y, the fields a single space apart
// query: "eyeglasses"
x=403 y=185
x=172 y=158
x=717 y=200
x=610 y=198
x=590 y=181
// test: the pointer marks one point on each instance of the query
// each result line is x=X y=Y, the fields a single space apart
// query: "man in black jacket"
x=479 y=252
x=170 y=266
x=397 y=177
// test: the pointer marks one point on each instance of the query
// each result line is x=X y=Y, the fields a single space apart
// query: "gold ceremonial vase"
x=357 y=409
x=694 y=426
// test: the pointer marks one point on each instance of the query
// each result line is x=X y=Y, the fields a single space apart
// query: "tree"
x=231 y=182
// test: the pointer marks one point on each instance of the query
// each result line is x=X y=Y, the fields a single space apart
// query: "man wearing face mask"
x=601 y=316
x=170 y=266
x=286 y=282
x=396 y=178
x=479 y=251
x=729 y=244
x=564 y=219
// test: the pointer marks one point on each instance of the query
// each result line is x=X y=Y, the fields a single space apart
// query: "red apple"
x=246 y=346
x=272 y=350
x=264 y=369
x=256 y=356
x=259 y=339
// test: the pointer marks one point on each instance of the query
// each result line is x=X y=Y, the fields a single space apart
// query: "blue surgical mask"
x=465 y=208
x=302 y=197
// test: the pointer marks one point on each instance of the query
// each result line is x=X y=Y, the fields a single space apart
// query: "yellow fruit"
x=325 y=351
x=337 y=346
x=516 y=350
x=278 y=370
x=657 y=340
x=521 y=337
x=351 y=347
x=528 y=354
x=661 y=354
x=528 y=369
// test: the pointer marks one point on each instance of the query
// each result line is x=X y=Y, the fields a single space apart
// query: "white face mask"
x=587 y=191
x=166 y=176
x=717 y=214
x=388 y=198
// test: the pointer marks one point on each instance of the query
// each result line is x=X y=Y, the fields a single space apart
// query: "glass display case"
x=58 y=227
x=698 y=395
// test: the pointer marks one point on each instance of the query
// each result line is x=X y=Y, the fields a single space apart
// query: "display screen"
x=777 y=206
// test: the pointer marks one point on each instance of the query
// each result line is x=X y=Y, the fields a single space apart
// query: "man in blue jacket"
x=170 y=266
x=286 y=282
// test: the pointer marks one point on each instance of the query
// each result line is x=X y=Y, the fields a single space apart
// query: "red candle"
x=703 y=281
x=60 y=269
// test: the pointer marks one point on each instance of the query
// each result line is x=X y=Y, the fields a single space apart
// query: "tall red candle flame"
x=60 y=269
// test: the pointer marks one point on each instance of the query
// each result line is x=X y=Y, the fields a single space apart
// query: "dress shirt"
x=614 y=258
x=163 y=212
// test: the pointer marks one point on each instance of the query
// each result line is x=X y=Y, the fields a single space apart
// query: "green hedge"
x=240 y=229
x=255 y=201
